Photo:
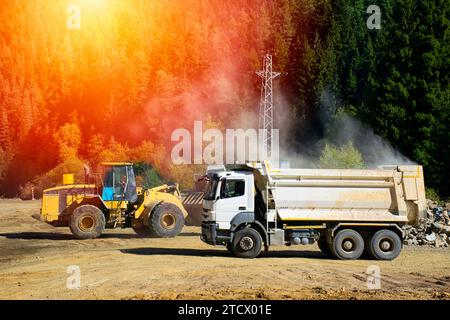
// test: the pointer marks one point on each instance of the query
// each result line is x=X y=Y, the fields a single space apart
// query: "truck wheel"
x=324 y=246
x=166 y=221
x=247 y=243
x=87 y=222
x=385 y=245
x=347 y=245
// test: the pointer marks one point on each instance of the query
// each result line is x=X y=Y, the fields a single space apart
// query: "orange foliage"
x=115 y=89
x=68 y=138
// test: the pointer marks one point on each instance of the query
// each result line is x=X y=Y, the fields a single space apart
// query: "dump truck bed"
x=387 y=194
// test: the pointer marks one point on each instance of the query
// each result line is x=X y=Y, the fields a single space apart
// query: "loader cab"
x=119 y=182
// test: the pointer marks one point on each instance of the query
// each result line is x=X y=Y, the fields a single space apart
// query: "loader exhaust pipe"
x=87 y=173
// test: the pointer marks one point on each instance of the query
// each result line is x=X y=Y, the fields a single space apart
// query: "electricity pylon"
x=266 y=105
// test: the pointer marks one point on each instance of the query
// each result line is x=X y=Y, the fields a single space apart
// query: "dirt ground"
x=34 y=261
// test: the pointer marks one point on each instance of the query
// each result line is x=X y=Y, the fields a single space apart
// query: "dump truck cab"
x=111 y=199
x=229 y=193
x=228 y=202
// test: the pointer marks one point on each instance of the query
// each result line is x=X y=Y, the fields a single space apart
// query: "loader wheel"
x=324 y=246
x=166 y=221
x=347 y=245
x=87 y=222
x=247 y=243
x=141 y=230
x=384 y=245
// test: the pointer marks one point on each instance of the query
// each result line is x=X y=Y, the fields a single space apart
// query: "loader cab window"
x=119 y=184
x=231 y=188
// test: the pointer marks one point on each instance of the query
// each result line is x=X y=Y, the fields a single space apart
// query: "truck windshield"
x=211 y=189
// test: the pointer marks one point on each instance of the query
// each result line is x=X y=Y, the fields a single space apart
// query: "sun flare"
x=94 y=3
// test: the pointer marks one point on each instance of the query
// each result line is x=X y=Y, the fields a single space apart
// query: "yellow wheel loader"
x=112 y=200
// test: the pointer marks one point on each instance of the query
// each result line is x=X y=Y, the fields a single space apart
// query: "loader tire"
x=247 y=243
x=384 y=245
x=324 y=246
x=166 y=221
x=87 y=222
x=347 y=245
x=141 y=230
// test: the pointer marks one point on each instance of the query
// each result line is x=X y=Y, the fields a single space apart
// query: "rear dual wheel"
x=348 y=244
x=384 y=245
x=324 y=246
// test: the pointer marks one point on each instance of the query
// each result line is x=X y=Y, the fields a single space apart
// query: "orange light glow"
x=95 y=3
x=115 y=88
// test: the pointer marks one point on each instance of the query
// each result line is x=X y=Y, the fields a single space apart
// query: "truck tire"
x=166 y=221
x=247 y=243
x=87 y=222
x=324 y=246
x=347 y=245
x=385 y=245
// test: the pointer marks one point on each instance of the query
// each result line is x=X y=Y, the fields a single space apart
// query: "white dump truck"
x=346 y=211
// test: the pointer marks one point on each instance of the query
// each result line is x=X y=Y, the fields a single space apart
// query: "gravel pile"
x=432 y=231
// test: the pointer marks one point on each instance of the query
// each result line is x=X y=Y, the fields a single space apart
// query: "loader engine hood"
x=55 y=200
x=70 y=189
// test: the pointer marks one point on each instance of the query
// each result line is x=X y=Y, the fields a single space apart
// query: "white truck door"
x=233 y=199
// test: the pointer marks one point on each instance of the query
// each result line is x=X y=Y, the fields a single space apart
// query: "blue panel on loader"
x=108 y=194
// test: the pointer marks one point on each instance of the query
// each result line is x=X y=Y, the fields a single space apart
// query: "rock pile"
x=432 y=231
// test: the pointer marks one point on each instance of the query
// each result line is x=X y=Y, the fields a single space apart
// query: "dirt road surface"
x=35 y=257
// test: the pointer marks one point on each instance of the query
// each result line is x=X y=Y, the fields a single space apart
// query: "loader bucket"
x=193 y=203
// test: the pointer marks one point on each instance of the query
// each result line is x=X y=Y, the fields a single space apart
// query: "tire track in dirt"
x=34 y=258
